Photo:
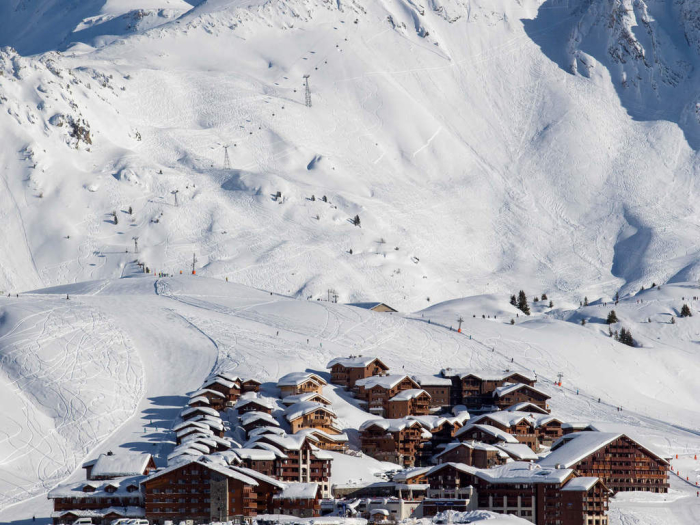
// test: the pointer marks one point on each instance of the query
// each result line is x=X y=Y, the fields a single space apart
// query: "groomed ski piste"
x=116 y=375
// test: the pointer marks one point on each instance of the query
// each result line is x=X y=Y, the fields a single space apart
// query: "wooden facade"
x=348 y=371
x=377 y=395
x=401 y=445
x=473 y=454
x=402 y=405
x=504 y=397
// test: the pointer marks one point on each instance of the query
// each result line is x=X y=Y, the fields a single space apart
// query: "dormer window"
x=132 y=488
x=88 y=488
x=111 y=489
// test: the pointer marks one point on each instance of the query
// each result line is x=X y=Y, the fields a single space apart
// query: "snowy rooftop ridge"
x=357 y=361
x=298 y=410
x=407 y=395
x=123 y=463
x=388 y=381
x=299 y=378
x=488 y=429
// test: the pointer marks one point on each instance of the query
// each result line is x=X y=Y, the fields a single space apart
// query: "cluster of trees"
x=624 y=336
x=521 y=302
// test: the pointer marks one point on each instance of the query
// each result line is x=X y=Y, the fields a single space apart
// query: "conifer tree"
x=522 y=303
x=585 y=301
x=612 y=317
x=583 y=322
x=551 y=304
x=685 y=311
x=513 y=301
x=544 y=296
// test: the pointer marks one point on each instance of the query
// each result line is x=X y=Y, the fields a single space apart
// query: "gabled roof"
x=458 y=466
x=218 y=380
x=473 y=445
x=525 y=406
x=427 y=380
x=198 y=399
x=518 y=451
x=435 y=422
x=200 y=410
x=488 y=429
x=251 y=380
x=121 y=464
x=512 y=387
x=75 y=490
x=266 y=430
x=410 y=473
x=256 y=454
x=208 y=392
x=356 y=361
x=253 y=398
x=230 y=472
x=308 y=396
x=390 y=425
x=371 y=306
x=485 y=375
x=407 y=395
x=285 y=442
x=297 y=491
x=306 y=407
x=252 y=417
x=299 y=378
x=582 y=484
x=524 y=472
x=387 y=382
x=320 y=435
x=570 y=449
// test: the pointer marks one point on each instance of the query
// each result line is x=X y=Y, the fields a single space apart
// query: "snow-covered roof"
x=371 y=305
x=296 y=491
x=410 y=473
x=390 y=425
x=189 y=423
x=226 y=376
x=251 y=417
x=207 y=392
x=427 y=380
x=308 y=396
x=230 y=472
x=526 y=406
x=355 y=361
x=512 y=418
x=306 y=407
x=524 y=472
x=210 y=421
x=459 y=466
x=123 y=463
x=518 y=451
x=299 y=378
x=321 y=454
x=485 y=374
x=570 y=449
x=407 y=395
x=512 y=387
x=389 y=381
x=259 y=477
x=200 y=410
x=488 y=429
x=75 y=490
x=193 y=445
x=266 y=430
x=253 y=398
x=315 y=432
x=251 y=380
x=285 y=442
x=256 y=454
x=582 y=484
x=474 y=445
x=198 y=399
x=213 y=380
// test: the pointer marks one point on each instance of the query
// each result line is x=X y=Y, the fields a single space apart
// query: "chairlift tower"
x=227 y=159
x=175 y=192
x=307 y=91
x=136 y=244
x=460 y=321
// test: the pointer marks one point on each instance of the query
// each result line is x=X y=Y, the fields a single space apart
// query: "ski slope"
x=474 y=156
x=158 y=338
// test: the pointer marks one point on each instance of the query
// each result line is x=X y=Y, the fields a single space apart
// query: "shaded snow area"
x=476 y=156
x=114 y=369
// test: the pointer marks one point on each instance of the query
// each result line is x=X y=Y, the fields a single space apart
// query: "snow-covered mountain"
x=482 y=143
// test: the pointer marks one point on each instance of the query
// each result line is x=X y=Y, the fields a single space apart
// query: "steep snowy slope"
x=176 y=330
x=474 y=159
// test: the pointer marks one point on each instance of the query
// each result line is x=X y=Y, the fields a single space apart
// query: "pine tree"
x=512 y=321
x=612 y=317
x=356 y=220
x=673 y=320
x=522 y=303
x=551 y=304
x=585 y=301
x=685 y=311
x=535 y=299
x=131 y=211
x=544 y=296
x=583 y=322
x=513 y=301
x=617 y=296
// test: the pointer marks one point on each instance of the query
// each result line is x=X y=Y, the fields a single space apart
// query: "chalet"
x=442 y=429
x=102 y=500
x=439 y=388
x=261 y=431
x=396 y=440
x=308 y=414
x=346 y=371
x=451 y=481
x=485 y=433
x=214 y=427
x=326 y=441
x=228 y=385
x=311 y=396
x=411 y=402
x=216 y=399
x=474 y=389
x=300 y=383
x=302 y=500
x=517 y=451
x=513 y=393
x=260 y=460
x=526 y=407
x=214 y=492
x=376 y=391
x=250 y=385
x=300 y=460
x=543 y=496
x=622 y=463
x=120 y=465
x=375 y=307
x=472 y=453
x=534 y=430
x=252 y=402
x=194 y=412
x=253 y=419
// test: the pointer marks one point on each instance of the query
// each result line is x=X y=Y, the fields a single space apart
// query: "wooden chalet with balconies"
x=622 y=463
x=411 y=402
x=396 y=440
x=484 y=433
x=472 y=453
x=439 y=388
x=302 y=500
x=475 y=389
x=311 y=415
x=253 y=402
x=376 y=391
x=346 y=371
x=534 y=430
x=514 y=393
x=296 y=383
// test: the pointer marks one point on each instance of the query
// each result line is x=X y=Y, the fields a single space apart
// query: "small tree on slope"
x=685 y=311
x=522 y=303
x=612 y=317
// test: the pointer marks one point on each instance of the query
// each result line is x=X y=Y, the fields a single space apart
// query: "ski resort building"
x=346 y=371
x=515 y=393
x=100 y=500
x=439 y=388
x=485 y=433
x=301 y=383
x=120 y=465
x=225 y=384
x=473 y=454
x=376 y=391
x=622 y=463
x=253 y=402
x=396 y=440
x=475 y=389
x=311 y=415
x=302 y=500
x=250 y=385
x=375 y=307
x=535 y=430
x=411 y=402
